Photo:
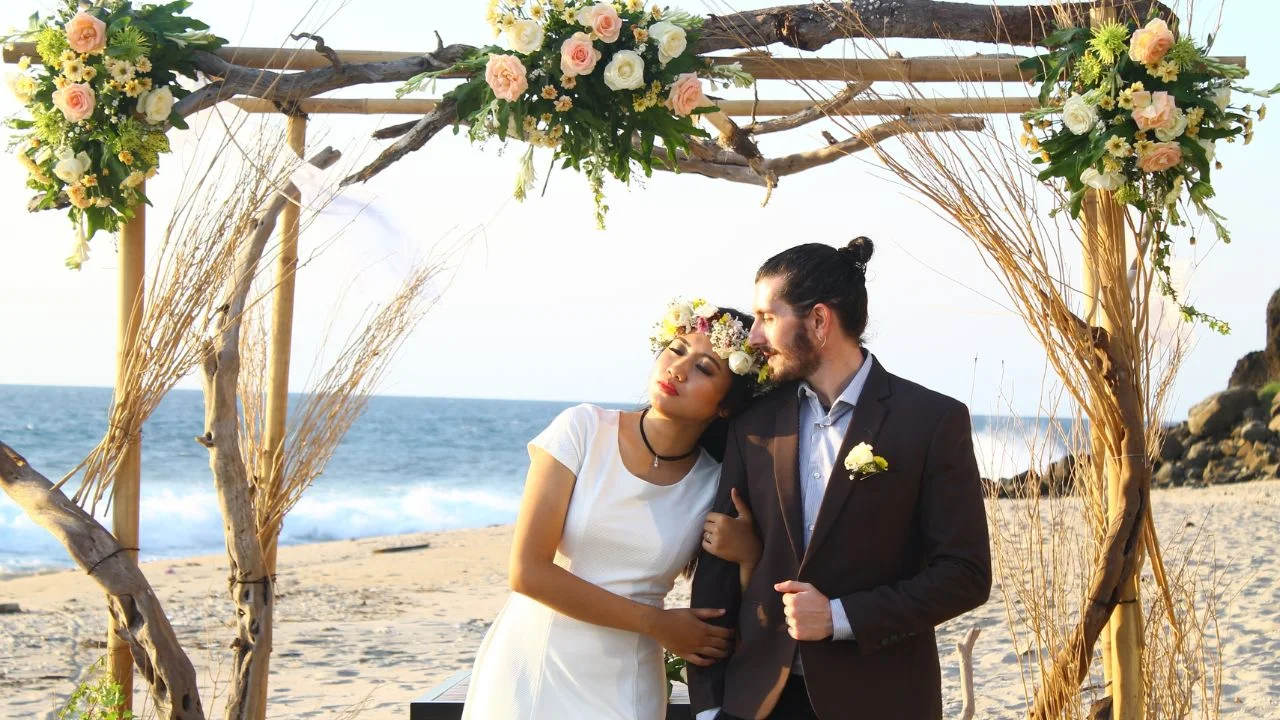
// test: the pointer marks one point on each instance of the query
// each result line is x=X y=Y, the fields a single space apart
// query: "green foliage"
x=675 y=668
x=99 y=698
x=1267 y=393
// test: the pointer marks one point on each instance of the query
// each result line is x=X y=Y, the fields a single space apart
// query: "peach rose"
x=86 y=34
x=1161 y=156
x=604 y=21
x=1150 y=44
x=507 y=76
x=686 y=95
x=1153 y=110
x=578 y=56
x=76 y=101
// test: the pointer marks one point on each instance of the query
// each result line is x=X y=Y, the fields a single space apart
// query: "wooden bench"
x=444 y=701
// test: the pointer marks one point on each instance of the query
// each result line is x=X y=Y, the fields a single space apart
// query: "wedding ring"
x=706 y=537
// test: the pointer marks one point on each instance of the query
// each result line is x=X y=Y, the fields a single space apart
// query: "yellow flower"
x=89 y=180
x=103 y=202
x=549 y=92
x=1125 y=101
x=61 y=81
x=1107 y=102
x=656 y=12
x=1045 y=156
x=537 y=12
x=641 y=35
x=144 y=64
x=568 y=82
x=635 y=5
x=66 y=57
x=79 y=196
x=1137 y=87
x=1166 y=70
x=1111 y=165
x=1262 y=112
x=113 y=85
x=145 y=83
x=1026 y=126
x=1248 y=137
x=126 y=157
x=530 y=124
x=570 y=16
x=24 y=62
x=564 y=103
x=121 y=72
x=73 y=70
x=133 y=88
x=546 y=118
x=1118 y=146
x=90 y=72
x=1142 y=147
x=134 y=180
x=1195 y=116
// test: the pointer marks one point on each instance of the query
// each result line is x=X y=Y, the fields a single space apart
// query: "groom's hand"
x=808 y=611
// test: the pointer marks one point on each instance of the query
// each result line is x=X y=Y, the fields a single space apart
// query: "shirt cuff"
x=841 y=628
x=707 y=714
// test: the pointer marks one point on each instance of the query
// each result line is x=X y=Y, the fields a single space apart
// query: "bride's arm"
x=533 y=573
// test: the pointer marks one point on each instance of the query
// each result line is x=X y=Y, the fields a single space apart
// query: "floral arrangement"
x=727 y=334
x=598 y=82
x=100 y=105
x=1137 y=111
x=862 y=462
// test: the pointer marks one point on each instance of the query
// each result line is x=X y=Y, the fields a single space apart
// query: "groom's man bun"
x=816 y=273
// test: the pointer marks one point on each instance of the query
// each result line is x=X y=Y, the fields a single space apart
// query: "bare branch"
x=809 y=114
x=791 y=164
x=321 y=48
x=425 y=129
x=394 y=131
x=139 y=616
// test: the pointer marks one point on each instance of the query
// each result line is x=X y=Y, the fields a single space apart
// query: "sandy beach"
x=364 y=632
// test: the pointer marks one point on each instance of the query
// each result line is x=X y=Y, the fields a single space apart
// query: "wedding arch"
x=263 y=80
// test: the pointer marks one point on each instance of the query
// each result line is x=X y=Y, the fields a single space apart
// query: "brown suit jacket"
x=903 y=550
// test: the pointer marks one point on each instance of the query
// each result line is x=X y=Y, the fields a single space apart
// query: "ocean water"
x=409 y=464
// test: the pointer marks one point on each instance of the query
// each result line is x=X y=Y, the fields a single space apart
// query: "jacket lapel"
x=868 y=415
x=785 y=470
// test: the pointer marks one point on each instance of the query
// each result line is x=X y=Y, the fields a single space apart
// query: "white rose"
x=1101 y=181
x=739 y=362
x=1176 y=128
x=71 y=167
x=859 y=456
x=706 y=310
x=670 y=39
x=156 y=105
x=1210 y=149
x=680 y=315
x=625 y=71
x=1222 y=97
x=1078 y=115
x=524 y=36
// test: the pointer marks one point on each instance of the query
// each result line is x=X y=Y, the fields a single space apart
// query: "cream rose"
x=670 y=39
x=71 y=165
x=578 y=56
x=86 y=34
x=76 y=101
x=524 y=36
x=860 y=456
x=686 y=95
x=156 y=105
x=1177 y=126
x=1153 y=110
x=1078 y=115
x=1101 y=181
x=680 y=316
x=739 y=362
x=1222 y=97
x=625 y=71
x=603 y=20
x=506 y=76
x=1150 y=44
x=1160 y=156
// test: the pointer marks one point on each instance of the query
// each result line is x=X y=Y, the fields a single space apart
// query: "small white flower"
x=739 y=362
x=625 y=71
x=525 y=36
x=1078 y=115
x=1101 y=181
x=670 y=39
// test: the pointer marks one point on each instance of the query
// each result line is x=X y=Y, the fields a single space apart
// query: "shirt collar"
x=851 y=391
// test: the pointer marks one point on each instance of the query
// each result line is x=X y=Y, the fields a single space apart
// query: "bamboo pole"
x=271 y=464
x=127 y=483
x=978 y=68
x=735 y=108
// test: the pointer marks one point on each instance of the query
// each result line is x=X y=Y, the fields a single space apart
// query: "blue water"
x=408 y=464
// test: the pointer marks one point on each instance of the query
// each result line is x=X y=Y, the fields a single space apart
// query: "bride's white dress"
x=624 y=534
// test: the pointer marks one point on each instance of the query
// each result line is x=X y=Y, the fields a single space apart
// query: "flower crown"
x=727 y=334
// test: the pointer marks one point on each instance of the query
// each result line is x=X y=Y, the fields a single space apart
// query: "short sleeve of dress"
x=566 y=438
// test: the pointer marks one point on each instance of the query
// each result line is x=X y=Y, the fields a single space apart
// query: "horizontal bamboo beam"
x=979 y=68
x=736 y=108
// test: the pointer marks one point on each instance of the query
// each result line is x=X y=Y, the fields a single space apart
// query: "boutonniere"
x=863 y=461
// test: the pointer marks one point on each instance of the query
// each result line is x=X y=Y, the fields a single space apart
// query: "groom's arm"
x=716 y=582
x=953 y=526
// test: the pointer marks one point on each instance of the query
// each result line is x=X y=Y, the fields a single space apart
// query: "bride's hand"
x=683 y=632
x=733 y=539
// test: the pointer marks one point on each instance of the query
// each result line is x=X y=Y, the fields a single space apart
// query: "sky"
x=541 y=305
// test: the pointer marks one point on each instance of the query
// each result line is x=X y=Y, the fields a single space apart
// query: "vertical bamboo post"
x=127 y=482
x=271 y=465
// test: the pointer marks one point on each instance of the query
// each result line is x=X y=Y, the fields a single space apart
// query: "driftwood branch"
x=252 y=587
x=321 y=48
x=964 y=653
x=423 y=130
x=809 y=114
x=811 y=27
x=133 y=604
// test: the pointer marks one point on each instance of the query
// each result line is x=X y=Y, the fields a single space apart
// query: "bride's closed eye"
x=681 y=350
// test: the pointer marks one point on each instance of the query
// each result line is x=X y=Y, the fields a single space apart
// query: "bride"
x=613 y=510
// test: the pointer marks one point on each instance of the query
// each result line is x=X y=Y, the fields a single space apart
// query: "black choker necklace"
x=654 y=453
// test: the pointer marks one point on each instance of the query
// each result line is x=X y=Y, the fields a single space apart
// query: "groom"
x=858 y=566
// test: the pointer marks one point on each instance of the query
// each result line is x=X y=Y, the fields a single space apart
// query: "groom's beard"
x=799 y=358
